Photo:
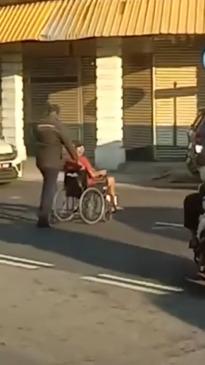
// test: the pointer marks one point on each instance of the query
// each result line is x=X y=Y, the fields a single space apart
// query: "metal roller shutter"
x=88 y=79
x=175 y=98
x=0 y=104
x=55 y=80
x=137 y=103
x=201 y=83
x=63 y=93
x=53 y=66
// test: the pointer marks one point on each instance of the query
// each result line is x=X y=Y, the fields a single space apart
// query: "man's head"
x=52 y=110
x=80 y=149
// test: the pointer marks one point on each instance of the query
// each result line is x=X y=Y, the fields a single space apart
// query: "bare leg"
x=111 y=186
x=112 y=192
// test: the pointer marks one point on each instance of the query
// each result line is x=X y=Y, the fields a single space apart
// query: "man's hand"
x=72 y=165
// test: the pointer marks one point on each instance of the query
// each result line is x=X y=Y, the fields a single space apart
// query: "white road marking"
x=198 y=281
x=168 y=224
x=19 y=264
x=147 y=284
x=123 y=285
x=132 y=186
x=161 y=228
x=26 y=261
x=15 y=197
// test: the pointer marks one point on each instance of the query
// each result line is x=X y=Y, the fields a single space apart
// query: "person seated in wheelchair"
x=75 y=178
x=95 y=177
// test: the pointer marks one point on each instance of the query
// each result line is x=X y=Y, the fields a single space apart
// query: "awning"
x=78 y=19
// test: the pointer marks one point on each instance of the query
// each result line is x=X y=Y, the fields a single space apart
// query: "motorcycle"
x=199 y=242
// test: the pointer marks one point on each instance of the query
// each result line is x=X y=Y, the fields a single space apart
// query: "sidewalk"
x=149 y=174
x=157 y=174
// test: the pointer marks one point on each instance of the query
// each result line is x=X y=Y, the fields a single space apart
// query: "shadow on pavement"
x=119 y=257
x=20 y=212
x=92 y=249
x=146 y=219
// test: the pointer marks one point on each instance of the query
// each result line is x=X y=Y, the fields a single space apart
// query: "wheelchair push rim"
x=92 y=206
x=64 y=207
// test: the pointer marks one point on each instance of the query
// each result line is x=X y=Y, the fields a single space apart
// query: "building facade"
x=129 y=93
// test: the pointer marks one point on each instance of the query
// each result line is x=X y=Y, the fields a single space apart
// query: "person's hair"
x=78 y=144
x=50 y=108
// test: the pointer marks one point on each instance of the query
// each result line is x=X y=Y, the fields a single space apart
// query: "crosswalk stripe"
x=169 y=224
x=124 y=285
x=26 y=261
x=18 y=264
x=147 y=284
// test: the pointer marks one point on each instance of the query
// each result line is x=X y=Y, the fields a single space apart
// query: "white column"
x=109 y=151
x=12 y=102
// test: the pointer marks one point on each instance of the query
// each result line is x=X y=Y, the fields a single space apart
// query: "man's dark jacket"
x=50 y=138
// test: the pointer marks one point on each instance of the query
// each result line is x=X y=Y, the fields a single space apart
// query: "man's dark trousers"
x=50 y=176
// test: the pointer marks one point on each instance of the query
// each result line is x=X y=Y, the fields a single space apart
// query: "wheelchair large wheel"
x=64 y=207
x=92 y=206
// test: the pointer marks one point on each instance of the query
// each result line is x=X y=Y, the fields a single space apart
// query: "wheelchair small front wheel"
x=92 y=206
x=64 y=207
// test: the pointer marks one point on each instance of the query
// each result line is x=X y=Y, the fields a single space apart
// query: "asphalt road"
x=130 y=244
x=133 y=247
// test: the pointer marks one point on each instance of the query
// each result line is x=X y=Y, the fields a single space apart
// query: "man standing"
x=50 y=140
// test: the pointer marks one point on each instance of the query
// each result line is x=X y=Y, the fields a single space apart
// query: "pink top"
x=85 y=163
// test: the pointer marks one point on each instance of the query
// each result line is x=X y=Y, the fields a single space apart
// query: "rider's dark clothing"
x=192 y=210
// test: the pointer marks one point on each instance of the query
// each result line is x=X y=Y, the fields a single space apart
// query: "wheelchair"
x=76 y=200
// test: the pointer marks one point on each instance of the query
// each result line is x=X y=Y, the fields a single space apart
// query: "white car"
x=10 y=165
